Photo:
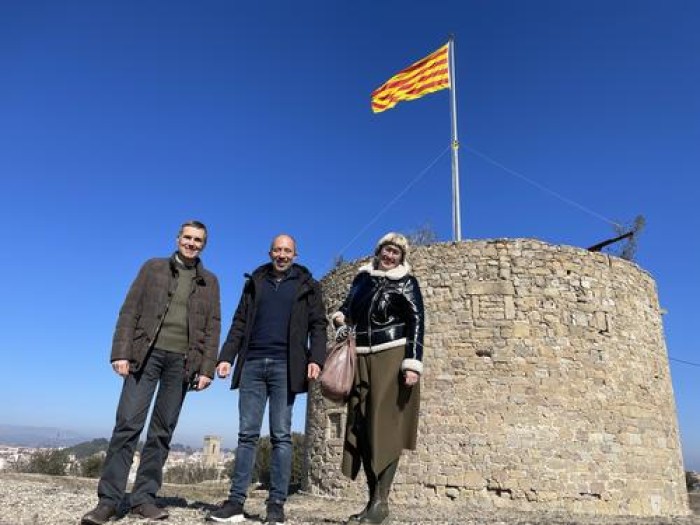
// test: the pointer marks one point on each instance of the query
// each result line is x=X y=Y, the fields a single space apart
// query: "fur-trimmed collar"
x=402 y=270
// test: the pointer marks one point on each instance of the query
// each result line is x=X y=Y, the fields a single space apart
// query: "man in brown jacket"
x=167 y=337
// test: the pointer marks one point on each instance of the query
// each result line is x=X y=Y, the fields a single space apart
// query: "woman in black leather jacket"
x=385 y=308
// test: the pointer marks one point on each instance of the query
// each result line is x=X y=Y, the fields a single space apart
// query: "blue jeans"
x=164 y=370
x=263 y=379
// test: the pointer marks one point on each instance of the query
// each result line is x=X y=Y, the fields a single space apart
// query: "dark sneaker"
x=229 y=512
x=99 y=515
x=275 y=514
x=149 y=511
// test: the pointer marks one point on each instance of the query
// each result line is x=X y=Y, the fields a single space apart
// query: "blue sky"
x=119 y=120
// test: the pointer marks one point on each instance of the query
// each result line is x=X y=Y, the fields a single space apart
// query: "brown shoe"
x=149 y=511
x=99 y=515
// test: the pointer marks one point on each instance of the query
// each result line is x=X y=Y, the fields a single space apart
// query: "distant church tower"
x=211 y=451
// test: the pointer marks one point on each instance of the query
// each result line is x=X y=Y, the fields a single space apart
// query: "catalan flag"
x=428 y=75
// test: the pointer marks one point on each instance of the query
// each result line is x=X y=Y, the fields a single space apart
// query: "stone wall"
x=546 y=386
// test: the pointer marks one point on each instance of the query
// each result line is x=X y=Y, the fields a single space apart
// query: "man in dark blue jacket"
x=278 y=341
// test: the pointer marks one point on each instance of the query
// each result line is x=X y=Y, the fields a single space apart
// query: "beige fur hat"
x=398 y=240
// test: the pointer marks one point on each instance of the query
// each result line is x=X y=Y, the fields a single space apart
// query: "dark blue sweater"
x=270 y=335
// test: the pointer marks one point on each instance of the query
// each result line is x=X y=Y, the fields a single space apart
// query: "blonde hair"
x=396 y=239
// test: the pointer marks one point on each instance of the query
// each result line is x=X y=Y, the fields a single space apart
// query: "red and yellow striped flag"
x=428 y=75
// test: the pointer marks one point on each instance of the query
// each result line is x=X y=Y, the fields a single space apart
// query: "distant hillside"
x=27 y=436
x=88 y=448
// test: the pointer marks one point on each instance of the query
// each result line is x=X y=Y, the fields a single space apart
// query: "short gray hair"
x=194 y=224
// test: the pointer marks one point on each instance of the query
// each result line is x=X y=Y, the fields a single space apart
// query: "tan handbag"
x=338 y=373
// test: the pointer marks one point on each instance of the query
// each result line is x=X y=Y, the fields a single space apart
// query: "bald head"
x=286 y=239
x=283 y=251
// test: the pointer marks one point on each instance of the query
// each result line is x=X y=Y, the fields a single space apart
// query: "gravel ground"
x=27 y=499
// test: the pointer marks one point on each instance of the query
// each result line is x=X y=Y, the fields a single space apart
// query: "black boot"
x=378 y=510
x=372 y=491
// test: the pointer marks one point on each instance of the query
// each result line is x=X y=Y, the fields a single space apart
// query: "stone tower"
x=212 y=451
x=546 y=386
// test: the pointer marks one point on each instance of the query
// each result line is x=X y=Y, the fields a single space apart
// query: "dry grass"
x=202 y=496
x=207 y=491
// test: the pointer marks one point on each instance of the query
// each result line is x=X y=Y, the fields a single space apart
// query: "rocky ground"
x=27 y=499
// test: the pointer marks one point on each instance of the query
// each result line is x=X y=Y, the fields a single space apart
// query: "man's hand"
x=121 y=367
x=203 y=382
x=313 y=371
x=223 y=369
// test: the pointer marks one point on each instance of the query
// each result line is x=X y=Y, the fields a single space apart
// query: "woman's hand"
x=338 y=319
x=410 y=377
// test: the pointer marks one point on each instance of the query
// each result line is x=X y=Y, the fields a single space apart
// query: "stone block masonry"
x=546 y=386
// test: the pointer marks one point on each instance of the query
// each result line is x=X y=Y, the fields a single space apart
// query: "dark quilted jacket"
x=145 y=305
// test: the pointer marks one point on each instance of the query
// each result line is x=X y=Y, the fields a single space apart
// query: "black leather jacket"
x=386 y=309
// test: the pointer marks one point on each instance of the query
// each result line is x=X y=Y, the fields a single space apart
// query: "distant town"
x=210 y=456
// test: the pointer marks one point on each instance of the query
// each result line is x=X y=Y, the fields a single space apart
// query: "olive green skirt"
x=382 y=417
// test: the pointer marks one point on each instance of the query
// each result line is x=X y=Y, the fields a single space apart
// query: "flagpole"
x=456 y=213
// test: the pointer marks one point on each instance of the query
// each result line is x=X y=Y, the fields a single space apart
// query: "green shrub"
x=263 y=456
x=188 y=474
x=53 y=462
x=91 y=467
